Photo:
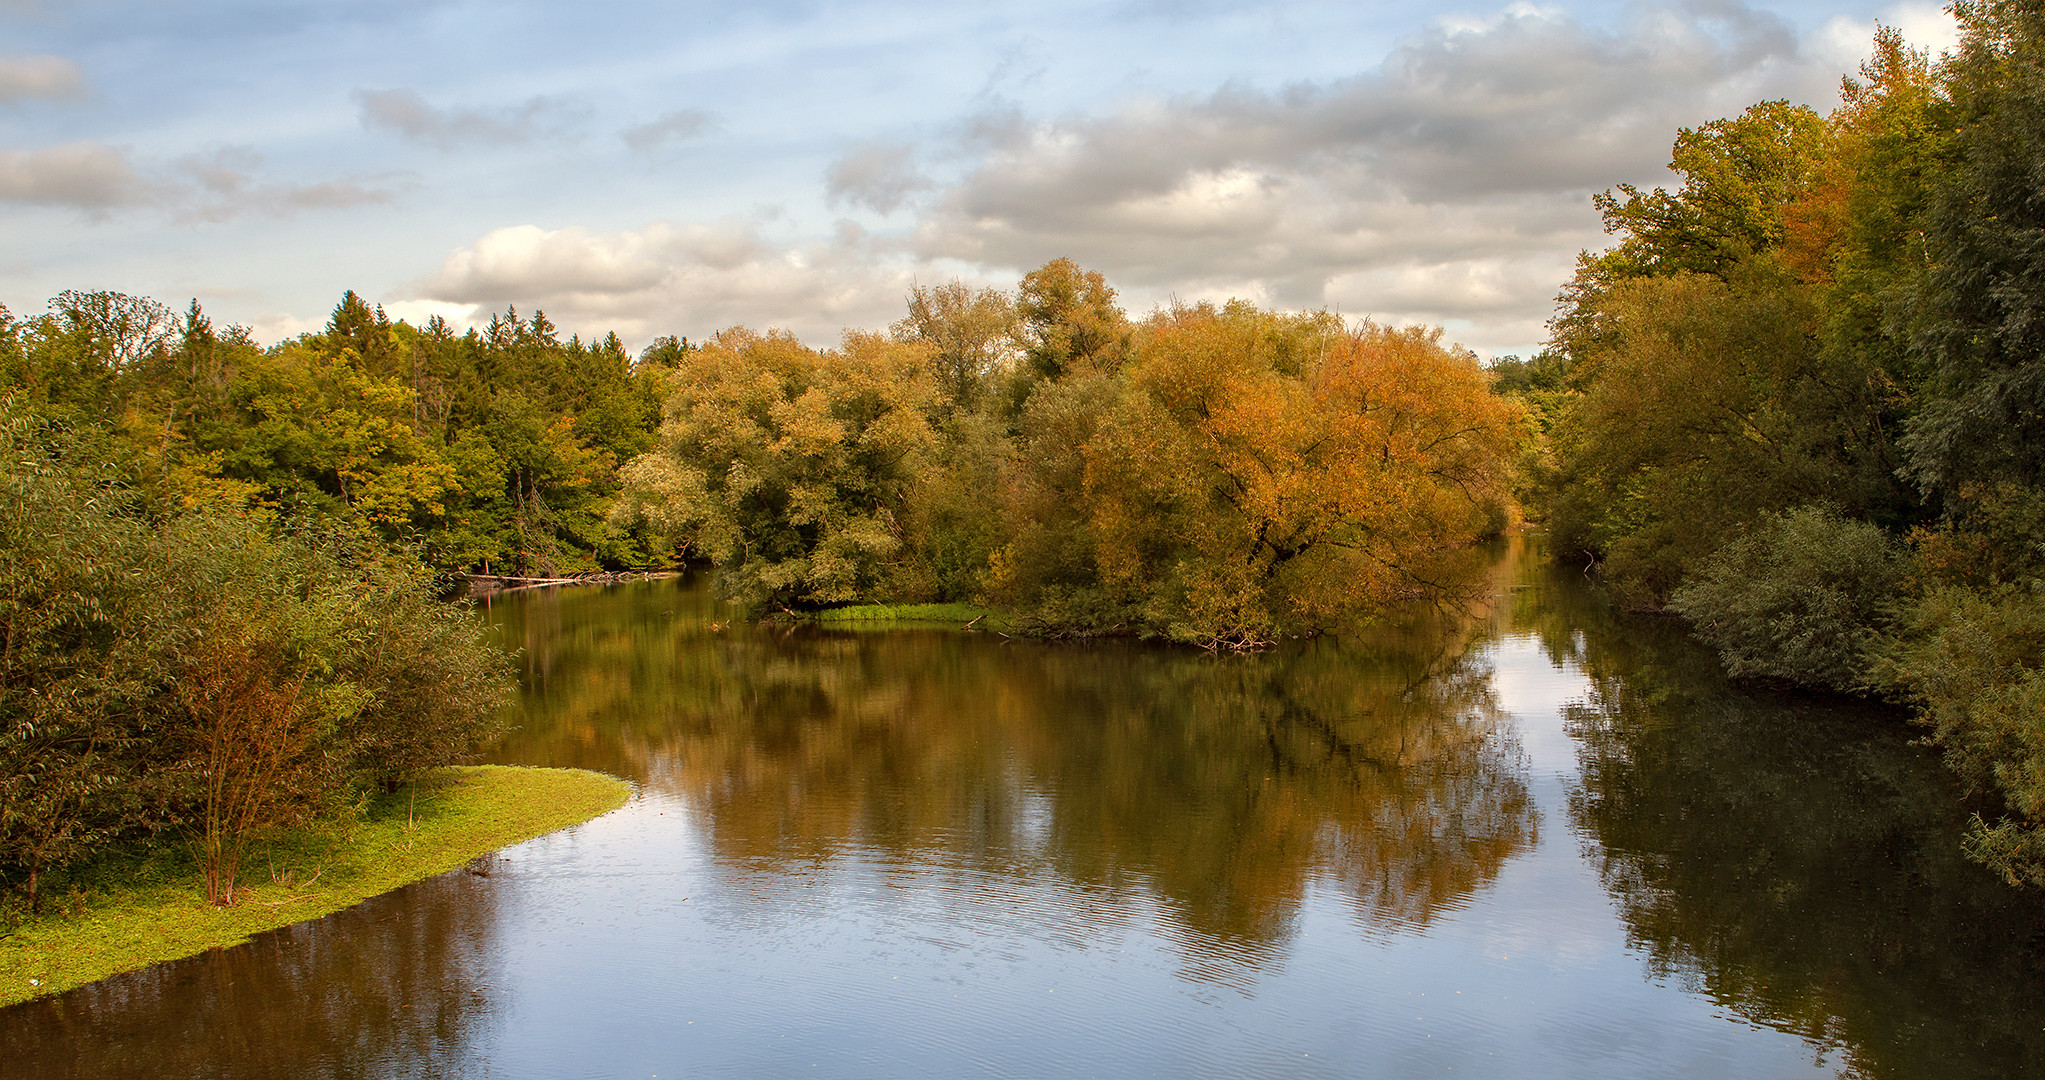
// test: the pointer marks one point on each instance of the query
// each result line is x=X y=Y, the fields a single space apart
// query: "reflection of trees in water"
x=1221 y=785
x=391 y=988
x=1794 y=858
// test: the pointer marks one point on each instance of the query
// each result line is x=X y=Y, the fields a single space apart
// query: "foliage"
x=170 y=672
x=1981 y=323
x=79 y=660
x=972 y=334
x=1843 y=311
x=1250 y=475
x=1799 y=597
x=1070 y=320
x=786 y=467
x=498 y=448
x=1971 y=658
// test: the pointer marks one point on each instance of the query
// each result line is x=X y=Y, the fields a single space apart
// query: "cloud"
x=1843 y=40
x=82 y=175
x=676 y=126
x=97 y=179
x=878 y=176
x=221 y=187
x=1448 y=184
x=1466 y=156
x=672 y=279
x=411 y=116
x=24 y=77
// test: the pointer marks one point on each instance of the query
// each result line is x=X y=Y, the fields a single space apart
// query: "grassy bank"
x=124 y=914
x=948 y=614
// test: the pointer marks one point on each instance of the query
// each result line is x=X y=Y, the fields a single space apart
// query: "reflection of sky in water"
x=865 y=962
x=870 y=888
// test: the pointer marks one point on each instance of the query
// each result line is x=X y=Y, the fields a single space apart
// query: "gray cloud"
x=1448 y=185
x=878 y=176
x=221 y=185
x=83 y=176
x=24 y=77
x=414 y=118
x=1463 y=162
x=676 y=126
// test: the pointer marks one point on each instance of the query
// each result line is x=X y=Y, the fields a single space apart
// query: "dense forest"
x=1801 y=401
x=497 y=449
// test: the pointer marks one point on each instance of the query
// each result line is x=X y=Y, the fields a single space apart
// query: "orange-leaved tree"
x=1255 y=474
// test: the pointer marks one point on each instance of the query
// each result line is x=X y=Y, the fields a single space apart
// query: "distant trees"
x=494 y=448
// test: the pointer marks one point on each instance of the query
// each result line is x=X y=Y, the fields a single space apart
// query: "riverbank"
x=125 y=915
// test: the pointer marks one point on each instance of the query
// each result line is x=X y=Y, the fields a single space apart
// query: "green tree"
x=1982 y=321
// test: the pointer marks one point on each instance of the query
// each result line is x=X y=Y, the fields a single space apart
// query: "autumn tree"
x=1070 y=320
x=1252 y=474
x=972 y=334
x=786 y=466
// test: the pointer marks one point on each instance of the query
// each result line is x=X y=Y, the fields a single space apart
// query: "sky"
x=677 y=168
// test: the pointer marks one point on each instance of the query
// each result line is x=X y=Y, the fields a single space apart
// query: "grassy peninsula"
x=120 y=914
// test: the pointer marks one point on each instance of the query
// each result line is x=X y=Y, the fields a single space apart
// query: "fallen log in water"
x=492 y=584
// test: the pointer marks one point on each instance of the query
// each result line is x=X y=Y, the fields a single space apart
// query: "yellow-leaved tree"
x=785 y=465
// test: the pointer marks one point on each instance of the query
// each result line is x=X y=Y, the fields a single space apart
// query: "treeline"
x=1225 y=476
x=204 y=677
x=1801 y=401
x=496 y=449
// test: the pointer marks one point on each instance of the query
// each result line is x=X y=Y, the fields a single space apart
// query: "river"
x=1528 y=840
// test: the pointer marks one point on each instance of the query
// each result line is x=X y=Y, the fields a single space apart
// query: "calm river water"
x=1530 y=842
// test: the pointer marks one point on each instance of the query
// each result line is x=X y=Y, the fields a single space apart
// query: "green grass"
x=129 y=913
x=956 y=614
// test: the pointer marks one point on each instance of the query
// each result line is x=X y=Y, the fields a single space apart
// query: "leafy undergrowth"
x=950 y=614
x=124 y=914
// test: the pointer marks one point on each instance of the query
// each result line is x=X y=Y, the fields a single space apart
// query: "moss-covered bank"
x=121 y=915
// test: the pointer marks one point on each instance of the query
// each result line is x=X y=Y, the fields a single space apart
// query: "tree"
x=78 y=647
x=1982 y=323
x=972 y=332
x=1254 y=474
x=785 y=466
x=1069 y=319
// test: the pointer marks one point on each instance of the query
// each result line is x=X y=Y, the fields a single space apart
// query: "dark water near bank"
x=1535 y=842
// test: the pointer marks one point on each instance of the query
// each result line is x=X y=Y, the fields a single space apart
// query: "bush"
x=1970 y=659
x=1800 y=597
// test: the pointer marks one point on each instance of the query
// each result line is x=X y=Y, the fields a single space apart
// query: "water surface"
x=1530 y=842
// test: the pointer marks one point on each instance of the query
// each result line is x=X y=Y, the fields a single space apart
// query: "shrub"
x=1970 y=659
x=1799 y=597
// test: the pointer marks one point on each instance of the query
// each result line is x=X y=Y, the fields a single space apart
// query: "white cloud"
x=1456 y=174
x=663 y=278
x=39 y=77
x=221 y=186
x=272 y=327
x=1448 y=184
x=1843 y=41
